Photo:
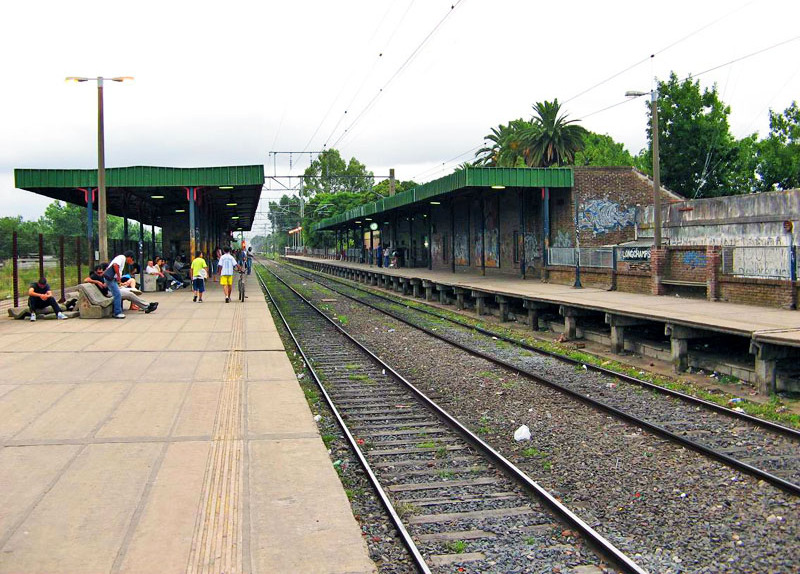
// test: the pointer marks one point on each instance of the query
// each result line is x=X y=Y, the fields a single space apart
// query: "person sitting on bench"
x=137 y=303
x=40 y=297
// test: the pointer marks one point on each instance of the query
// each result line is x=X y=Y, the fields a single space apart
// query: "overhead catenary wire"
x=656 y=53
x=399 y=70
x=368 y=75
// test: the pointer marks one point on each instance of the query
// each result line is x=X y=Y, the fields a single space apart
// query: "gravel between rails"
x=671 y=509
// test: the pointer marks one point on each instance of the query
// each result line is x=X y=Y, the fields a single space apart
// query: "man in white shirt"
x=112 y=276
x=227 y=263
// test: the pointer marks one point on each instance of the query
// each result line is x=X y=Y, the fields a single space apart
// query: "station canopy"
x=462 y=181
x=150 y=194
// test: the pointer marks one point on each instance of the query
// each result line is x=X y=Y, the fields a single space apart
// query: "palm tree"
x=504 y=149
x=551 y=139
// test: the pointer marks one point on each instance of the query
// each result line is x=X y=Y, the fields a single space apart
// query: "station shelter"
x=496 y=220
x=196 y=208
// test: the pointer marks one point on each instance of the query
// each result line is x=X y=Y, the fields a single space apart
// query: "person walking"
x=227 y=263
x=199 y=275
x=40 y=296
x=112 y=276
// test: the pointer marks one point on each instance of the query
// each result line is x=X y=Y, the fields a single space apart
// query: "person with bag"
x=199 y=276
x=112 y=277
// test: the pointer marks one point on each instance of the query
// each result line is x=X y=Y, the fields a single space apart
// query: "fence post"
x=61 y=266
x=78 y=257
x=41 y=255
x=15 y=268
x=793 y=275
x=613 y=269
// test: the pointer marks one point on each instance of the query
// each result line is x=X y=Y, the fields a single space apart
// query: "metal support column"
x=430 y=238
x=483 y=235
x=452 y=236
x=546 y=223
x=521 y=246
x=191 y=195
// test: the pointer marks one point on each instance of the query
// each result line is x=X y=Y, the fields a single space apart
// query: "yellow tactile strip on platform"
x=217 y=537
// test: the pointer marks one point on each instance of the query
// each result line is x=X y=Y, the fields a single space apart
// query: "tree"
x=330 y=174
x=602 y=150
x=551 y=139
x=503 y=149
x=698 y=155
x=778 y=155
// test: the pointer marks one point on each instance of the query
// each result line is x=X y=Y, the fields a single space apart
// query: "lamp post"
x=656 y=165
x=102 y=229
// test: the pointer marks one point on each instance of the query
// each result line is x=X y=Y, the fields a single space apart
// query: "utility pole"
x=656 y=174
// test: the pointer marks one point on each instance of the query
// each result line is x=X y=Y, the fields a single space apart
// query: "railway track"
x=769 y=451
x=456 y=502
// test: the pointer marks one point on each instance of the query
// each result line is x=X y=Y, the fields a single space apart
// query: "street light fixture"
x=656 y=164
x=102 y=229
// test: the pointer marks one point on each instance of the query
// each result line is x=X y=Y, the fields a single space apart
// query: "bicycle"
x=242 y=283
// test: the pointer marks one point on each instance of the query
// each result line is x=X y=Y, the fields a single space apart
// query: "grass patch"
x=456 y=546
x=328 y=439
x=534 y=452
x=441 y=452
x=351 y=367
x=445 y=474
x=529 y=540
x=427 y=444
x=406 y=509
x=488 y=375
x=358 y=377
x=342 y=319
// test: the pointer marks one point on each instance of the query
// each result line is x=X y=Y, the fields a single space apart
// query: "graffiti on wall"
x=694 y=259
x=461 y=249
x=562 y=239
x=602 y=216
x=768 y=262
x=533 y=248
x=492 y=235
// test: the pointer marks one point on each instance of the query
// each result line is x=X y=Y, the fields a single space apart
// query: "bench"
x=681 y=283
x=92 y=304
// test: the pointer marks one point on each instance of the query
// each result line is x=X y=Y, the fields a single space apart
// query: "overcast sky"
x=226 y=83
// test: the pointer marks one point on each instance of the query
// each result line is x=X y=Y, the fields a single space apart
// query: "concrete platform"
x=178 y=441
x=777 y=326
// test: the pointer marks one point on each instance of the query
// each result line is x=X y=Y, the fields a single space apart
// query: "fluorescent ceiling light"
x=231 y=204
x=157 y=197
x=498 y=187
x=226 y=187
x=180 y=211
x=436 y=203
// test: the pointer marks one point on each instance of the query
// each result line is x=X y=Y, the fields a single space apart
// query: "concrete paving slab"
x=65 y=534
x=190 y=342
x=25 y=474
x=148 y=411
x=263 y=341
x=268 y=365
x=77 y=413
x=199 y=410
x=26 y=403
x=171 y=507
x=282 y=484
x=275 y=406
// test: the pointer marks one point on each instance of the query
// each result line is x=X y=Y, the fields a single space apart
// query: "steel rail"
x=777 y=481
x=376 y=485
x=773 y=426
x=609 y=551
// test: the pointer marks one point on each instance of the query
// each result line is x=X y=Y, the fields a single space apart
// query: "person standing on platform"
x=215 y=263
x=199 y=275
x=249 y=259
x=379 y=255
x=112 y=276
x=227 y=263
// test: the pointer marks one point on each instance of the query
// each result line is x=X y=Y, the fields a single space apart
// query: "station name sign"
x=634 y=254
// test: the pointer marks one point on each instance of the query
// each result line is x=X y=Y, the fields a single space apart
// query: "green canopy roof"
x=463 y=179
x=154 y=191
